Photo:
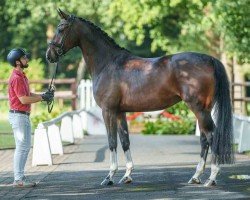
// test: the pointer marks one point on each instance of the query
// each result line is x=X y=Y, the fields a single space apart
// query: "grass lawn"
x=6 y=136
x=7 y=141
x=5 y=126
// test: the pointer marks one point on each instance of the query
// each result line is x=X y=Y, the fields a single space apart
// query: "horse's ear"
x=62 y=14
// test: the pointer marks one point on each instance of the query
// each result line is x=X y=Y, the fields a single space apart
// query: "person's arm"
x=30 y=99
x=20 y=90
x=35 y=95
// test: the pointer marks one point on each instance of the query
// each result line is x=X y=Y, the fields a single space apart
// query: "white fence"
x=49 y=135
x=85 y=94
x=87 y=102
x=241 y=132
x=241 y=126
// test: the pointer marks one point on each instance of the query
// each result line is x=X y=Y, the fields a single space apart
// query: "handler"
x=20 y=100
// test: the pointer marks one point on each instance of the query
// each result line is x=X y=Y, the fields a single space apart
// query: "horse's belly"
x=147 y=102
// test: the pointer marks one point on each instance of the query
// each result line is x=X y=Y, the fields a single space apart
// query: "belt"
x=18 y=111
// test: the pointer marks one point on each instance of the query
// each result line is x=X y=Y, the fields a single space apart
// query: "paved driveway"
x=163 y=165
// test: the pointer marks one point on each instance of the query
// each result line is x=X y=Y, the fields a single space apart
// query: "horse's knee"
x=112 y=143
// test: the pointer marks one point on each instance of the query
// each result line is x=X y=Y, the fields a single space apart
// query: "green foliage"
x=6 y=141
x=5 y=126
x=181 y=109
x=162 y=18
x=5 y=72
x=35 y=71
x=233 y=18
x=43 y=116
x=162 y=127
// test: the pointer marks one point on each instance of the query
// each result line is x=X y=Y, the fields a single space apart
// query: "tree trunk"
x=80 y=71
x=50 y=33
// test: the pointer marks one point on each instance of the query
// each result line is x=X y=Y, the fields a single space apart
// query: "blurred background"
x=148 y=28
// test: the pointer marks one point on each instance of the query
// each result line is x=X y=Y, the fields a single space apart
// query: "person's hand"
x=48 y=96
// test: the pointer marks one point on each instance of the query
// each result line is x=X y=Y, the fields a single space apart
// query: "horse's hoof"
x=107 y=182
x=126 y=180
x=210 y=183
x=194 y=181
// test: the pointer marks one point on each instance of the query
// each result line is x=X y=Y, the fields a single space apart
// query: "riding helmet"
x=16 y=54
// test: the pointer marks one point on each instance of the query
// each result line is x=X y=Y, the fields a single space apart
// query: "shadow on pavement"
x=160 y=182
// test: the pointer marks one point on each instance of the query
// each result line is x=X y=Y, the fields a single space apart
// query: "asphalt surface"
x=163 y=166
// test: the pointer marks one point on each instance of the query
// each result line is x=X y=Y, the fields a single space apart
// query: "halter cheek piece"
x=59 y=51
x=59 y=47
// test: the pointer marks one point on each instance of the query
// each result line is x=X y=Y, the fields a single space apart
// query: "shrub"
x=43 y=116
x=162 y=126
x=180 y=109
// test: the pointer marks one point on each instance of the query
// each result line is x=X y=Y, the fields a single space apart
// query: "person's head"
x=18 y=57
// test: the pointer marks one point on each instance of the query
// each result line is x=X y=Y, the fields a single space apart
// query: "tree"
x=234 y=20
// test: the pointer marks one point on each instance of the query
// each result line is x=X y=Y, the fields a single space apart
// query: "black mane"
x=103 y=33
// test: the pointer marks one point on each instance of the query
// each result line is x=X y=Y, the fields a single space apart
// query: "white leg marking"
x=129 y=163
x=199 y=169
x=211 y=181
x=113 y=161
x=113 y=169
x=214 y=171
x=130 y=166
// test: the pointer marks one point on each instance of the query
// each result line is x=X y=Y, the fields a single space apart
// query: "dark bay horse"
x=123 y=82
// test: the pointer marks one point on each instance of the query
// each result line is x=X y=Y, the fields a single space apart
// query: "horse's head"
x=64 y=39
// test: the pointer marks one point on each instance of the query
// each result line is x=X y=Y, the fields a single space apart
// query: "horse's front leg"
x=124 y=138
x=110 y=119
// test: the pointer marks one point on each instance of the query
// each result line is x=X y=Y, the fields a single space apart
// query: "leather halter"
x=59 y=51
x=59 y=47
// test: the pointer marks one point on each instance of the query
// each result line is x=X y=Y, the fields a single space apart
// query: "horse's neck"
x=98 y=53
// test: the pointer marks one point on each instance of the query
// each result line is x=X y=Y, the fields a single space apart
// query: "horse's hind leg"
x=201 y=165
x=206 y=125
x=110 y=119
x=124 y=138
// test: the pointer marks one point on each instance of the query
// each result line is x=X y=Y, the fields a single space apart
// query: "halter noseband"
x=59 y=47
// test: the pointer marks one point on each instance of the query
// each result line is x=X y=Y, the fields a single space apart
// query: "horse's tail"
x=222 y=145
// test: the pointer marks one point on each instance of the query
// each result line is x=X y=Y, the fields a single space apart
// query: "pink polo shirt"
x=18 y=87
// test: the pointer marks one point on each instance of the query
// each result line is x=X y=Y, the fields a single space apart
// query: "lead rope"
x=52 y=88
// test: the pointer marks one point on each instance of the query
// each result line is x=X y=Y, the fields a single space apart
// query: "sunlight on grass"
x=5 y=126
x=7 y=141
